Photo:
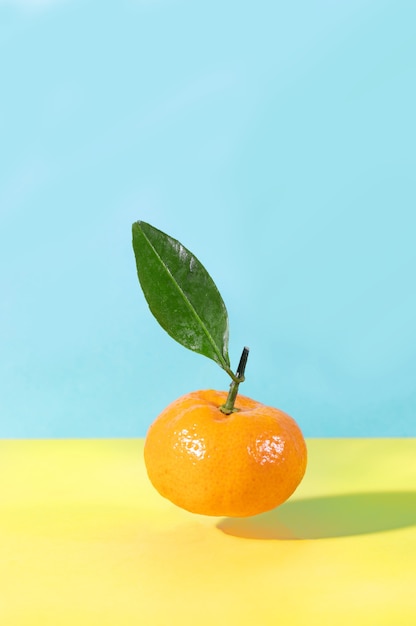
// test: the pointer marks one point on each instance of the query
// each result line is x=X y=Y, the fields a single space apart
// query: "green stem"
x=228 y=406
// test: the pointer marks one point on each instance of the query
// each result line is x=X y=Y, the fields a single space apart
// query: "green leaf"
x=181 y=294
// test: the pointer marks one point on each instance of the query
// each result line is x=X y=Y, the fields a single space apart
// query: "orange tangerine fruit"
x=233 y=465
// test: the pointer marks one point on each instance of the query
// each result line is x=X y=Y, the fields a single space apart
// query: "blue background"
x=274 y=139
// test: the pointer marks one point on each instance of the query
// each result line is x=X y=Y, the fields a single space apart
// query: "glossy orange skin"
x=233 y=465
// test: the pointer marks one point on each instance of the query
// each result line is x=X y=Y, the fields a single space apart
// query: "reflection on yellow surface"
x=85 y=539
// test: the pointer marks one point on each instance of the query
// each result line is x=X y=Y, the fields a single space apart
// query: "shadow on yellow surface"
x=330 y=516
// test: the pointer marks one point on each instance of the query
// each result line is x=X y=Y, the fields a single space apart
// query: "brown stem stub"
x=242 y=364
x=228 y=407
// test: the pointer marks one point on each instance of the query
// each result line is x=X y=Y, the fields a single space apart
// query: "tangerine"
x=234 y=465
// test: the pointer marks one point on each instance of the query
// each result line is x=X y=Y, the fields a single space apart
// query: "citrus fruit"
x=210 y=452
x=236 y=465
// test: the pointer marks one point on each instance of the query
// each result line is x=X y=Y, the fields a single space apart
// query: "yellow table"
x=85 y=540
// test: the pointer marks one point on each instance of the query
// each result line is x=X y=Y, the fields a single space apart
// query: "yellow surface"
x=85 y=540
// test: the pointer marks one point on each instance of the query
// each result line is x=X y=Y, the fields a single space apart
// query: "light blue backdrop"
x=275 y=139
